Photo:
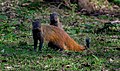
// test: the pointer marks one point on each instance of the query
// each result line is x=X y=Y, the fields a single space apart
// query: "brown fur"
x=60 y=38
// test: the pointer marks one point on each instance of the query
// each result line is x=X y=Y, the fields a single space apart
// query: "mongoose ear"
x=50 y=15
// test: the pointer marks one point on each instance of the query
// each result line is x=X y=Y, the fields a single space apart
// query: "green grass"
x=16 y=43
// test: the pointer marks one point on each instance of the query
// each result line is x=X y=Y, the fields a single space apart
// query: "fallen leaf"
x=9 y=67
x=111 y=60
x=68 y=66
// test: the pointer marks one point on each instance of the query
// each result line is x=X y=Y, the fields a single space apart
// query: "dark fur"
x=53 y=19
x=87 y=40
x=37 y=34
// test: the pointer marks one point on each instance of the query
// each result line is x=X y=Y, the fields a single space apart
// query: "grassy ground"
x=16 y=43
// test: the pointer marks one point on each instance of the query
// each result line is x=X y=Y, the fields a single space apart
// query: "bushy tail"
x=72 y=45
x=87 y=41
